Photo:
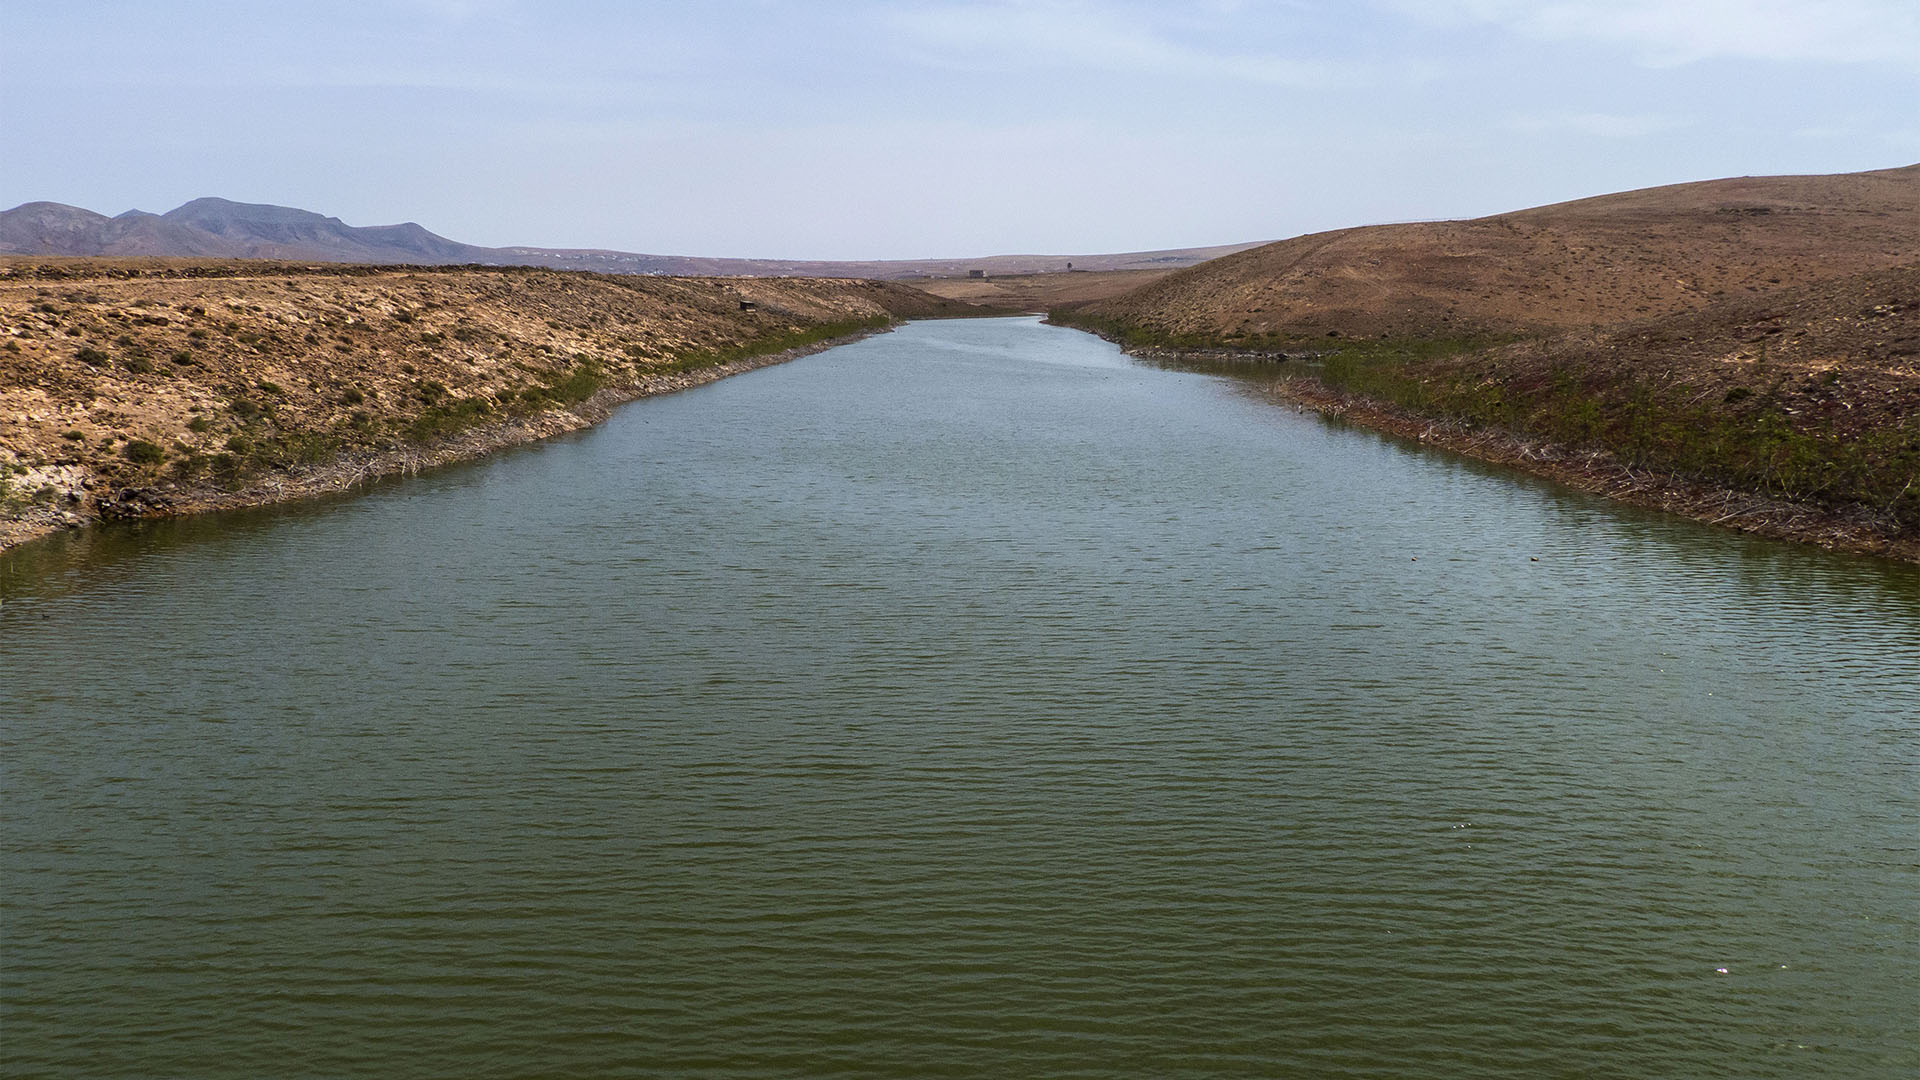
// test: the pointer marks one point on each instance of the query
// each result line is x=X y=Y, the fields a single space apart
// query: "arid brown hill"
x=137 y=387
x=1596 y=261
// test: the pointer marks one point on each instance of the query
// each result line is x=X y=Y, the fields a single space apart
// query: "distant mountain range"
x=218 y=228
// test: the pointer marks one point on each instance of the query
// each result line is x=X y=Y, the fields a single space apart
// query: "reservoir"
x=968 y=701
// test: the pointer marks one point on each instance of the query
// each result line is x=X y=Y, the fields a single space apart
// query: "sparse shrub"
x=1737 y=395
x=137 y=364
x=197 y=334
x=352 y=396
x=183 y=358
x=199 y=424
x=244 y=408
x=74 y=436
x=271 y=388
x=92 y=357
x=142 y=452
x=240 y=444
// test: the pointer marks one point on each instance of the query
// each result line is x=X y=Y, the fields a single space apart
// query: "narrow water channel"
x=968 y=701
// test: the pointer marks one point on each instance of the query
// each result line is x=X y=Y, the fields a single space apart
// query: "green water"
x=969 y=701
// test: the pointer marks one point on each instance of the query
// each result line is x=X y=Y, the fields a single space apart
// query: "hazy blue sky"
x=866 y=129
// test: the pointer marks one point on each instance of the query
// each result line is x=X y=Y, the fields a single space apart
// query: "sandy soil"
x=1600 y=261
x=149 y=387
x=1039 y=292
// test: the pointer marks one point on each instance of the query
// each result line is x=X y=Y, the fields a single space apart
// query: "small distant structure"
x=976 y=273
x=748 y=305
x=1069 y=266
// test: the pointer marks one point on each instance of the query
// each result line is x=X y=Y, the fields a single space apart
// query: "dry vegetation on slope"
x=1743 y=351
x=139 y=387
x=1593 y=262
x=1021 y=293
x=1795 y=414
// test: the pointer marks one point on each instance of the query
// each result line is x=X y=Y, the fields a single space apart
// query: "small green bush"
x=142 y=452
x=92 y=357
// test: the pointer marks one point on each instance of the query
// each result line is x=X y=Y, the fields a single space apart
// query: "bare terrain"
x=146 y=387
x=1742 y=351
x=1599 y=261
x=1039 y=292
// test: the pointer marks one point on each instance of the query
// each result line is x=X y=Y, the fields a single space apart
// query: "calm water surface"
x=969 y=701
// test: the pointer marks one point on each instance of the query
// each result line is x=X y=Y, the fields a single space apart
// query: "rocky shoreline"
x=1599 y=472
x=137 y=389
x=356 y=469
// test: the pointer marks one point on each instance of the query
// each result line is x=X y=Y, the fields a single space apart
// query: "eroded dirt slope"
x=130 y=388
x=1606 y=260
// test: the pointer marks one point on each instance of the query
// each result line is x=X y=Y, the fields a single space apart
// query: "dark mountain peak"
x=51 y=211
x=211 y=212
x=51 y=228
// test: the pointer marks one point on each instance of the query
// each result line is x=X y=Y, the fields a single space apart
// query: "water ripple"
x=966 y=702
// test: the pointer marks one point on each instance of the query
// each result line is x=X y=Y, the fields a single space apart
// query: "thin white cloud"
x=1596 y=124
x=1674 y=32
x=1117 y=38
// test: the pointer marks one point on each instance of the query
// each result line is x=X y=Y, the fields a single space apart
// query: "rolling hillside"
x=1599 y=261
x=1744 y=351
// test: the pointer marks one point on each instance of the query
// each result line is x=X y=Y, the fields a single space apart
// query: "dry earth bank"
x=134 y=388
x=1740 y=351
x=1600 y=261
x=1020 y=293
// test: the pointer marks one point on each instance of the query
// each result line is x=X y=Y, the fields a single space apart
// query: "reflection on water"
x=966 y=701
